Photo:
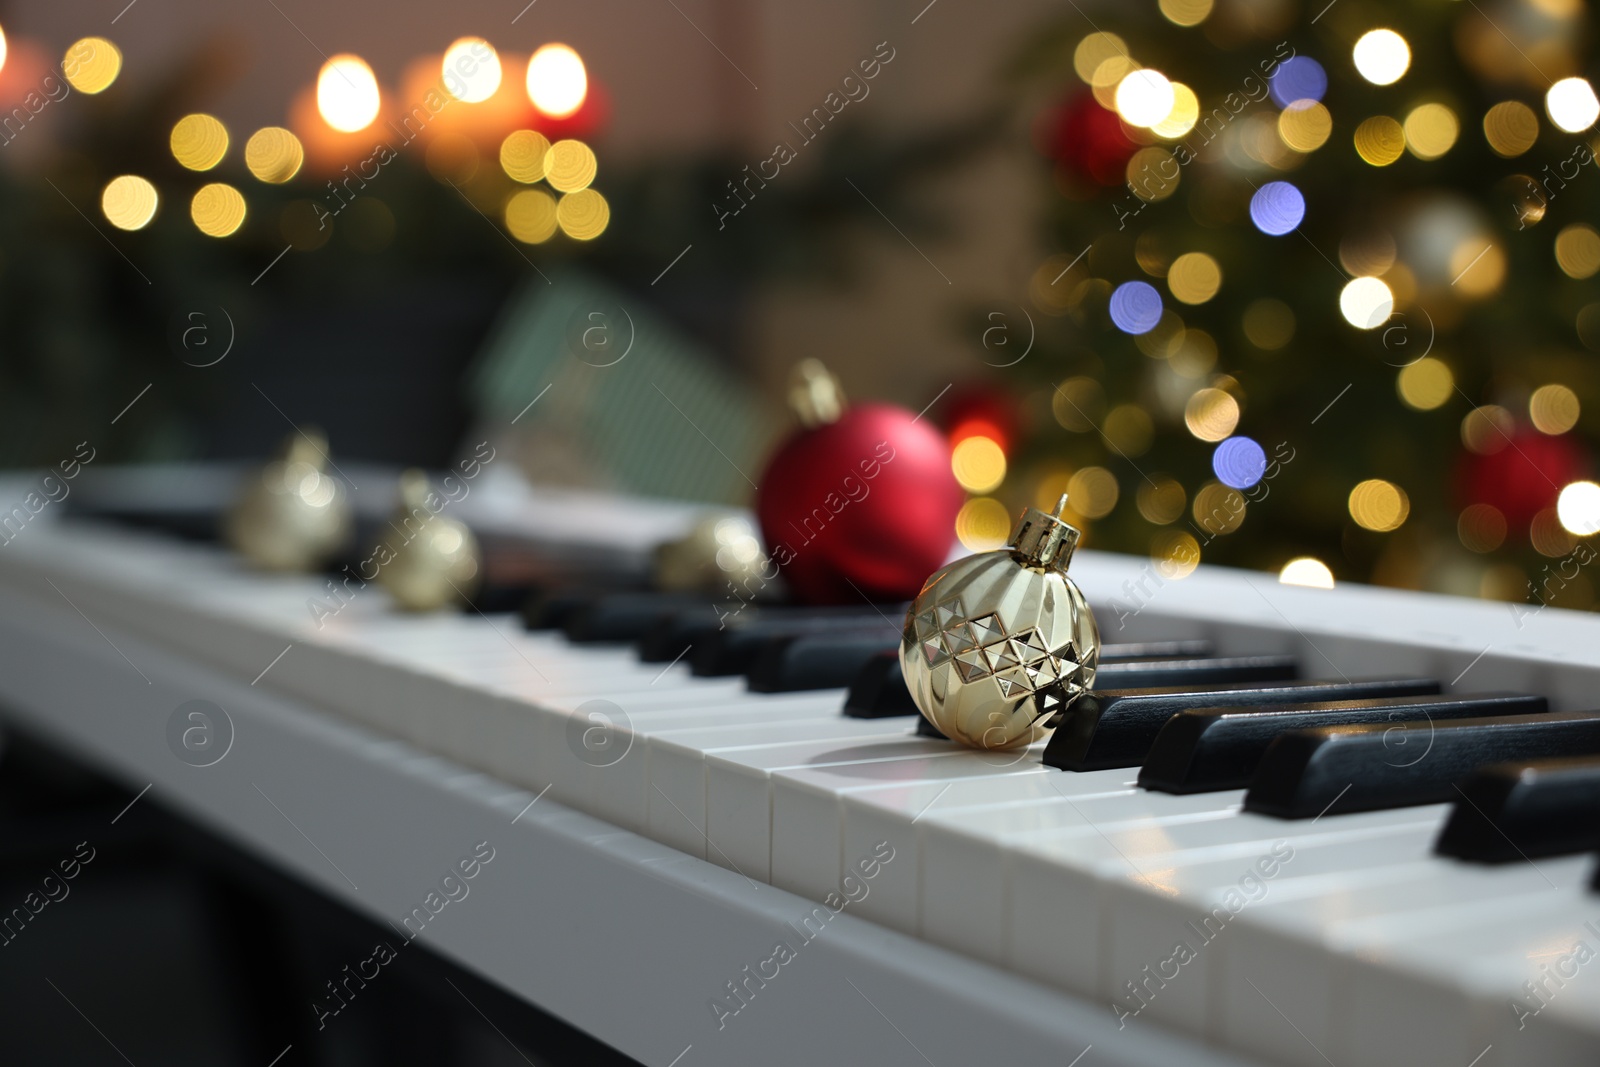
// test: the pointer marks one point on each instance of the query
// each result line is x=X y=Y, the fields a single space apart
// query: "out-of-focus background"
x=1307 y=288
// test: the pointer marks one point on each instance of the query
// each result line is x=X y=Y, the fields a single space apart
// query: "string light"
x=1145 y=98
x=1366 y=303
x=1184 y=114
x=129 y=202
x=1578 y=508
x=347 y=93
x=1425 y=384
x=1211 y=414
x=1571 y=105
x=1431 y=130
x=1094 y=50
x=217 y=209
x=1239 y=462
x=1161 y=500
x=273 y=154
x=983 y=524
x=1307 y=571
x=557 y=82
x=1135 y=307
x=1380 y=140
x=92 y=64
x=531 y=216
x=1305 y=126
x=979 y=464
x=522 y=156
x=3 y=49
x=1277 y=208
x=1298 y=78
x=1093 y=491
x=1578 y=250
x=569 y=166
x=1194 y=278
x=1481 y=528
x=199 y=141
x=1554 y=409
x=1176 y=554
x=1186 y=12
x=471 y=69
x=1511 y=128
x=583 y=215
x=1379 y=506
x=1381 y=56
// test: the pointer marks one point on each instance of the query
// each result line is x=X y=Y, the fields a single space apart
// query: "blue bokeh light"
x=1135 y=307
x=1277 y=208
x=1239 y=462
x=1298 y=78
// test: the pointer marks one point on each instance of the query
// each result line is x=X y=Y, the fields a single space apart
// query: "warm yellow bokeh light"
x=1108 y=76
x=1477 y=269
x=983 y=524
x=1219 y=509
x=1307 y=571
x=1425 y=384
x=583 y=215
x=979 y=464
x=129 y=202
x=1152 y=174
x=1382 y=56
x=531 y=216
x=1379 y=506
x=1511 y=128
x=1571 y=104
x=557 y=81
x=1175 y=553
x=1194 y=278
x=1578 y=508
x=1481 y=528
x=1094 y=50
x=92 y=64
x=522 y=156
x=1181 y=119
x=347 y=93
x=1077 y=404
x=1486 y=429
x=1211 y=414
x=199 y=141
x=1145 y=97
x=1380 y=140
x=1578 y=250
x=1161 y=500
x=1093 y=492
x=1269 y=323
x=569 y=166
x=1305 y=125
x=471 y=70
x=273 y=154
x=3 y=49
x=1431 y=130
x=1186 y=12
x=1128 y=430
x=1554 y=409
x=1366 y=303
x=217 y=209
x=1548 y=536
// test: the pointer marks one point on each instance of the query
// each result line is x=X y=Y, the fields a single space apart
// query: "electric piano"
x=1290 y=825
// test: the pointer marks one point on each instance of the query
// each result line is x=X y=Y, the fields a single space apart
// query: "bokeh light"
x=1093 y=492
x=1548 y=537
x=1194 y=278
x=531 y=216
x=1186 y=12
x=1135 y=307
x=471 y=70
x=1181 y=119
x=1578 y=508
x=1298 y=78
x=1161 y=500
x=1211 y=414
x=1511 y=128
x=92 y=64
x=1481 y=528
x=983 y=524
x=217 y=209
x=1239 y=462
x=522 y=156
x=1486 y=429
x=557 y=81
x=1366 y=303
x=1307 y=571
x=1078 y=403
x=1219 y=509
x=1176 y=554
x=569 y=166
x=1425 y=384
x=583 y=215
x=1578 y=250
x=1305 y=126
x=1094 y=50
x=1431 y=130
x=1380 y=140
x=1128 y=430
x=1277 y=208
x=1145 y=97
x=1108 y=76
x=1554 y=409
x=199 y=141
x=347 y=93
x=273 y=154
x=1571 y=105
x=979 y=464
x=1269 y=323
x=129 y=202
x=3 y=49
x=1381 y=56
x=1379 y=506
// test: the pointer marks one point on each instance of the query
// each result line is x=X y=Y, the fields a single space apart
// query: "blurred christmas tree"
x=1324 y=289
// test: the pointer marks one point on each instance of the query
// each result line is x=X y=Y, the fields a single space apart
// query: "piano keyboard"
x=1263 y=833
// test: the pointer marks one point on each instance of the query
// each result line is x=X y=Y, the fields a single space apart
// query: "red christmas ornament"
x=1522 y=477
x=861 y=502
x=1087 y=140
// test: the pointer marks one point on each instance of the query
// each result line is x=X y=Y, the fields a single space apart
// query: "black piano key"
x=1221 y=670
x=550 y=607
x=671 y=635
x=1516 y=811
x=879 y=691
x=734 y=650
x=1199 y=751
x=623 y=617
x=1116 y=727
x=1363 y=768
x=816 y=661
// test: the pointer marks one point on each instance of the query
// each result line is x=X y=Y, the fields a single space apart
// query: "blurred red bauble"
x=1087 y=140
x=863 y=506
x=1522 y=477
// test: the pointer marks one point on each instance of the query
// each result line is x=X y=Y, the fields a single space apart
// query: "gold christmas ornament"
x=292 y=515
x=719 y=549
x=998 y=644
x=433 y=562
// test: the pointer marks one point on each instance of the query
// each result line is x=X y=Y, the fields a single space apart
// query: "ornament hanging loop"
x=815 y=394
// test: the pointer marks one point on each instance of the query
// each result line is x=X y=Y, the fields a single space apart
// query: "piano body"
x=696 y=873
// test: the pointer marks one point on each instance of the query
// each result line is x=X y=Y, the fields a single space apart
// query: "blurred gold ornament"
x=997 y=645
x=433 y=562
x=292 y=515
x=717 y=550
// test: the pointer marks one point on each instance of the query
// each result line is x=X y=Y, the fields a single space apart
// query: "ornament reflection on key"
x=433 y=561
x=292 y=515
x=998 y=644
x=719 y=551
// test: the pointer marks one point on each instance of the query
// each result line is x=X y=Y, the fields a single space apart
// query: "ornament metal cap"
x=815 y=394
x=1045 y=541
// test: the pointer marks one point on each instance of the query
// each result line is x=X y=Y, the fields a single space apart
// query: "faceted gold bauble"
x=993 y=648
x=718 y=550
x=433 y=562
x=292 y=516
